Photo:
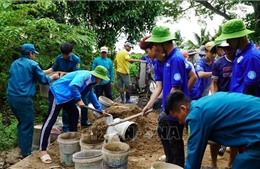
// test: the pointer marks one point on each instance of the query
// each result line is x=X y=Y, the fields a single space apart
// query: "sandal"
x=46 y=159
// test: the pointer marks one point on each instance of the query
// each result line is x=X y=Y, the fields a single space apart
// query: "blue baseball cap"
x=27 y=47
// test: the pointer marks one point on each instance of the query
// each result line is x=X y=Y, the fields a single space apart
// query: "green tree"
x=109 y=19
x=17 y=26
x=200 y=39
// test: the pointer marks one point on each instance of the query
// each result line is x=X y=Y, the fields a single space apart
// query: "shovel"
x=129 y=118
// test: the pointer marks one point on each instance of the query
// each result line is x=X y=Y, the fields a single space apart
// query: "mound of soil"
x=144 y=150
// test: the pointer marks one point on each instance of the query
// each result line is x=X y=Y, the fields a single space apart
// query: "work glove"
x=157 y=104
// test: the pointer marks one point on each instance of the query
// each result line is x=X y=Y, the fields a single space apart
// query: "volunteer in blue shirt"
x=246 y=72
x=203 y=68
x=23 y=75
x=174 y=78
x=105 y=86
x=230 y=119
x=221 y=76
x=65 y=93
x=64 y=63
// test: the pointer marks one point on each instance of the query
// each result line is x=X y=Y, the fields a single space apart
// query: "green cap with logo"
x=160 y=34
x=100 y=72
x=234 y=28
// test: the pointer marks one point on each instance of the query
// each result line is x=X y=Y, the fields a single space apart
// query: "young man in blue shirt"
x=246 y=72
x=23 y=76
x=221 y=76
x=203 y=68
x=230 y=119
x=66 y=93
x=174 y=77
x=64 y=63
x=104 y=86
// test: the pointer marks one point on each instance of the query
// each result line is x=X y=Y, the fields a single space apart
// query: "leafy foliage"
x=109 y=19
x=17 y=26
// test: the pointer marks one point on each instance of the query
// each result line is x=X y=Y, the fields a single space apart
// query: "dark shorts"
x=123 y=79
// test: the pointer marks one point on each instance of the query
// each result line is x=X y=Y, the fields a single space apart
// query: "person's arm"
x=197 y=141
x=133 y=60
x=203 y=74
x=93 y=99
x=214 y=86
x=156 y=93
x=192 y=79
x=48 y=71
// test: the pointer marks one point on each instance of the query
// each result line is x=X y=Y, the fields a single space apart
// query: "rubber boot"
x=122 y=95
x=127 y=97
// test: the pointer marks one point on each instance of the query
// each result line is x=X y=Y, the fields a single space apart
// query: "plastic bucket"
x=105 y=102
x=68 y=145
x=36 y=136
x=112 y=137
x=127 y=130
x=88 y=159
x=88 y=143
x=162 y=165
x=115 y=155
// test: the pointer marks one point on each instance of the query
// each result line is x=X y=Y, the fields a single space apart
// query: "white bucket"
x=88 y=143
x=115 y=155
x=36 y=136
x=105 y=102
x=162 y=165
x=88 y=159
x=68 y=145
x=127 y=130
x=112 y=137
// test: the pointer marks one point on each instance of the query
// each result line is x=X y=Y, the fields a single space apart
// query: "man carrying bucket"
x=66 y=93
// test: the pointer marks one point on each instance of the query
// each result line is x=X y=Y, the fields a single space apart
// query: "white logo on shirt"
x=239 y=59
x=168 y=65
x=177 y=76
x=251 y=74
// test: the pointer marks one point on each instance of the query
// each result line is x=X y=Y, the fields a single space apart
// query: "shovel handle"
x=129 y=118
x=87 y=107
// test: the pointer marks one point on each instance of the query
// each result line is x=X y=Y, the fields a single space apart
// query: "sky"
x=187 y=27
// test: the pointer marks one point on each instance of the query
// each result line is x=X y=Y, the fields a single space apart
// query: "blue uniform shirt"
x=174 y=74
x=246 y=70
x=66 y=65
x=204 y=83
x=107 y=63
x=70 y=86
x=219 y=118
x=23 y=76
x=222 y=71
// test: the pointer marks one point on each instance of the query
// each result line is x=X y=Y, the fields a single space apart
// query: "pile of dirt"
x=144 y=150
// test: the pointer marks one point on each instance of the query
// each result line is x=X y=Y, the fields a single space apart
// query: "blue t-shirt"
x=23 y=76
x=70 y=86
x=222 y=71
x=174 y=74
x=107 y=63
x=246 y=70
x=66 y=65
x=203 y=83
x=230 y=119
